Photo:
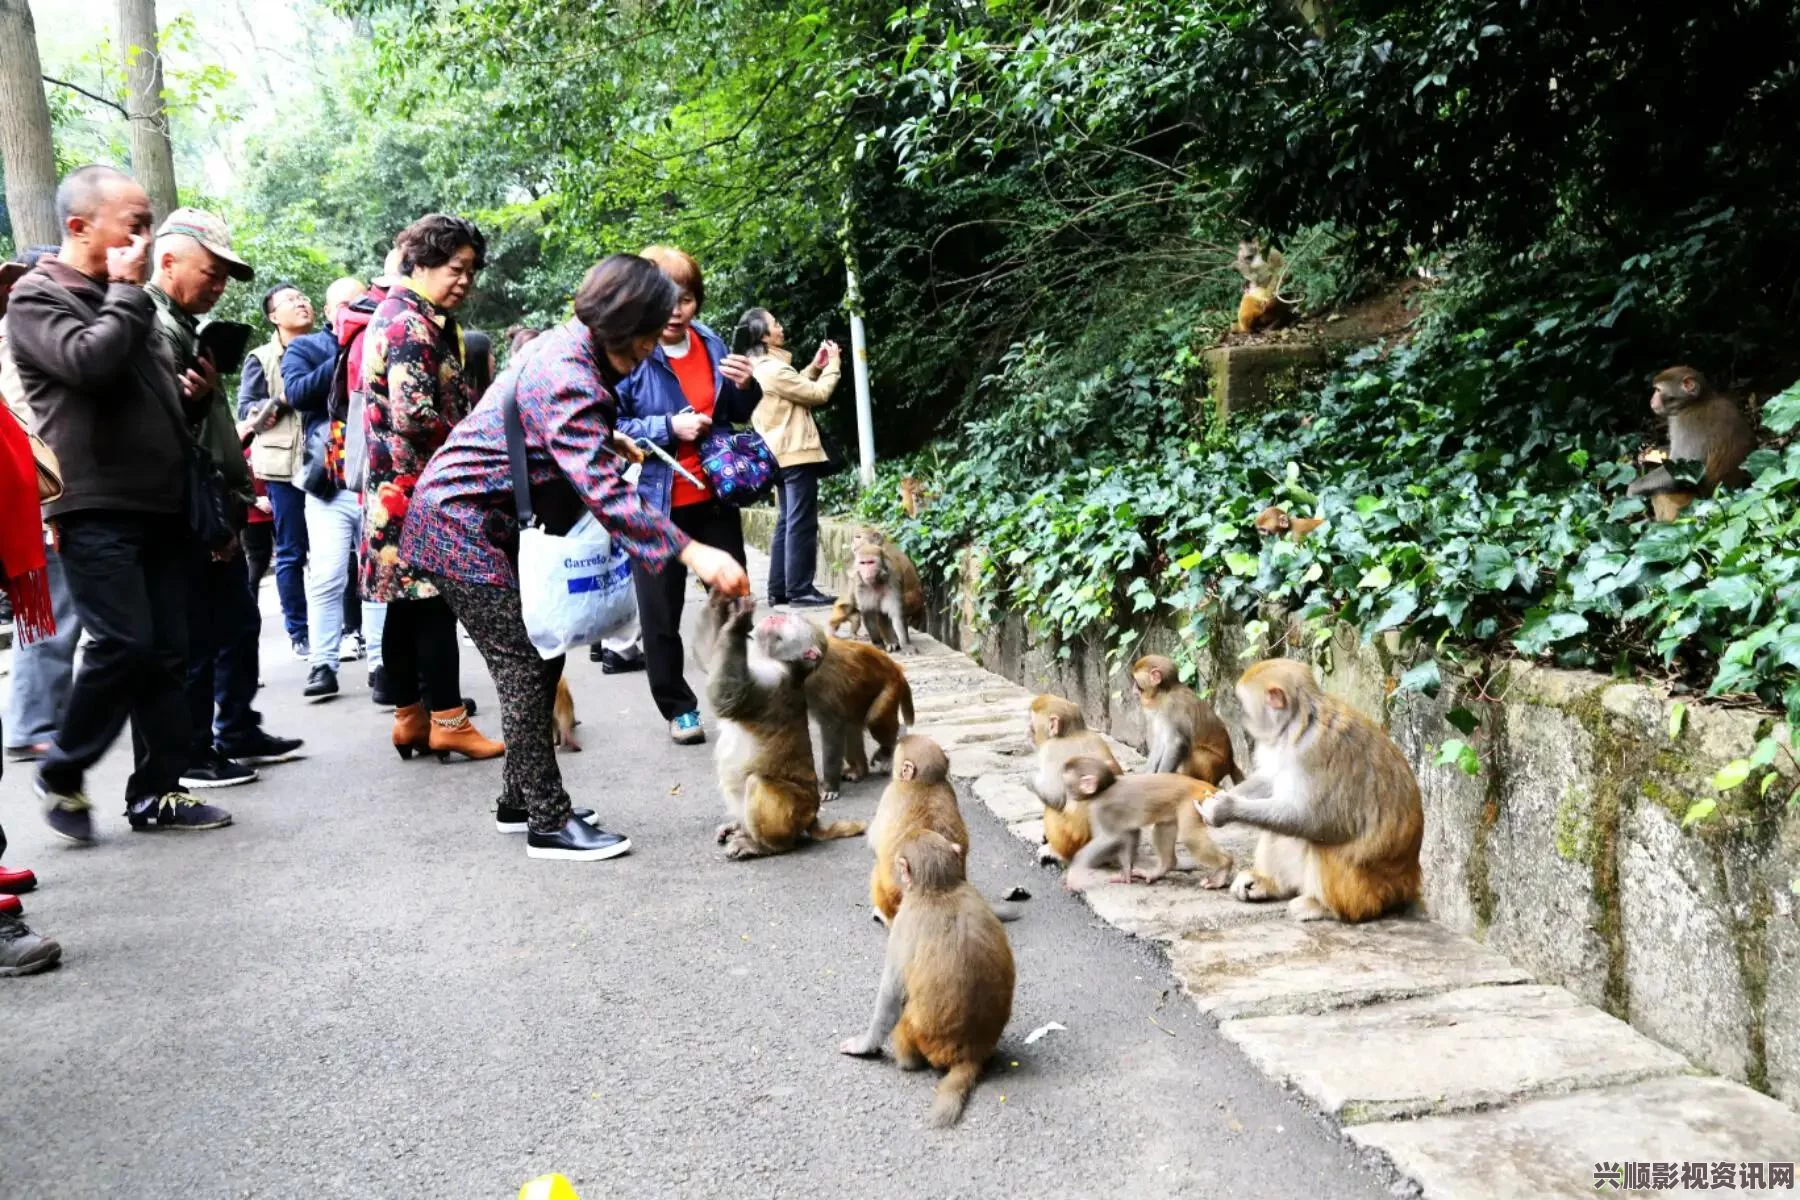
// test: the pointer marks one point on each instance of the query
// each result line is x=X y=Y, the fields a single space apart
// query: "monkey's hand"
x=1216 y=809
x=740 y=622
x=860 y=1047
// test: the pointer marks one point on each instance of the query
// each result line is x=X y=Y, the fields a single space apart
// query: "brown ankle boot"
x=412 y=732
x=453 y=732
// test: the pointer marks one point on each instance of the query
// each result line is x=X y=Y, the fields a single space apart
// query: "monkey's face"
x=869 y=568
x=787 y=638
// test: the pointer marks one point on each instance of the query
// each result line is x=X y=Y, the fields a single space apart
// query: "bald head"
x=82 y=191
x=347 y=290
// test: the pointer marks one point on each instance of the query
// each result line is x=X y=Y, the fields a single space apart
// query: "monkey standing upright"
x=919 y=798
x=764 y=754
x=947 y=985
x=852 y=688
x=1705 y=426
x=1059 y=733
x=1338 y=805
x=1120 y=809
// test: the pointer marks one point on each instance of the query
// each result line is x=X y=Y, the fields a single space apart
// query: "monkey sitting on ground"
x=947 y=986
x=1705 y=426
x=764 y=755
x=562 y=718
x=1118 y=809
x=1273 y=520
x=1059 y=733
x=853 y=687
x=885 y=592
x=1261 y=306
x=1338 y=804
x=1186 y=735
x=919 y=798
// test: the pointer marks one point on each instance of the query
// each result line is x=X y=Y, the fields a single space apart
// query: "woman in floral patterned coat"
x=417 y=392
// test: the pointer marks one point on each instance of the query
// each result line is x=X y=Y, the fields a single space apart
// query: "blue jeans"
x=223 y=629
x=288 y=505
x=794 y=555
x=44 y=671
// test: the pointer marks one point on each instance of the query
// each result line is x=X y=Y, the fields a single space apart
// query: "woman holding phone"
x=785 y=420
x=689 y=384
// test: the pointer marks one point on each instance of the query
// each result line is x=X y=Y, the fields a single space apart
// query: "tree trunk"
x=152 y=156
x=25 y=147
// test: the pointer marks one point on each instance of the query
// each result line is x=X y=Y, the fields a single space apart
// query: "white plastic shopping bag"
x=574 y=589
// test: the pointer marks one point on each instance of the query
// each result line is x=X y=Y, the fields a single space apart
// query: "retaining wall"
x=1566 y=853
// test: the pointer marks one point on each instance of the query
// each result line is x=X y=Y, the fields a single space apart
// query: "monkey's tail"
x=837 y=829
x=953 y=1094
x=906 y=706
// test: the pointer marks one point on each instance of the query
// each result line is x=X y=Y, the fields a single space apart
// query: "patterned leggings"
x=527 y=686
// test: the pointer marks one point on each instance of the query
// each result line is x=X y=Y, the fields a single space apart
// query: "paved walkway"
x=361 y=990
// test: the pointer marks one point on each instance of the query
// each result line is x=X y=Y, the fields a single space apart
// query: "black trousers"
x=128 y=576
x=527 y=687
x=259 y=551
x=420 y=653
x=224 y=627
x=794 y=553
x=660 y=598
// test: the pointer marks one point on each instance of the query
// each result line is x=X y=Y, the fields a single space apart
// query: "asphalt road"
x=361 y=990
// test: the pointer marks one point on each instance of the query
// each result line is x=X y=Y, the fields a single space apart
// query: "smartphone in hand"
x=742 y=340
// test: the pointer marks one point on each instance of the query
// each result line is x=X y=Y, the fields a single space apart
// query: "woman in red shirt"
x=689 y=384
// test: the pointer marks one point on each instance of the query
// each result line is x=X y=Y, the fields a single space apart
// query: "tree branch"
x=112 y=104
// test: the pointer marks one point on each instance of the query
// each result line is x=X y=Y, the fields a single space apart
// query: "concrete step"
x=1275 y=968
x=1554 y=1147
x=1468 y=1049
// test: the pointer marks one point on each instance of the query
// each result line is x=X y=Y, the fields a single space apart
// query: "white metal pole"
x=859 y=363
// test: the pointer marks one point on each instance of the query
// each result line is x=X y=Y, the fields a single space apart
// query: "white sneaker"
x=351 y=648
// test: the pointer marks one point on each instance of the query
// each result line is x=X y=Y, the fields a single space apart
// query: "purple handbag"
x=739 y=466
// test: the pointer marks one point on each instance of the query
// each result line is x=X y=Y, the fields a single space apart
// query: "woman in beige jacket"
x=785 y=421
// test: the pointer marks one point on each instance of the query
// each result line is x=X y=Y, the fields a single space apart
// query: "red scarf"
x=22 y=572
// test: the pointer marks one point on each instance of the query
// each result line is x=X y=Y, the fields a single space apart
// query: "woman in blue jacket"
x=689 y=384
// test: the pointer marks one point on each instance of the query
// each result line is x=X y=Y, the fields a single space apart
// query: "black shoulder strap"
x=515 y=453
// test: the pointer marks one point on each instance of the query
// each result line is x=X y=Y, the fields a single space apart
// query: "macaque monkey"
x=1059 y=733
x=843 y=612
x=1272 y=520
x=1337 y=803
x=1186 y=735
x=913 y=495
x=902 y=579
x=1261 y=306
x=562 y=718
x=764 y=756
x=919 y=798
x=853 y=688
x=1166 y=805
x=1705 y=426
x=947 y=986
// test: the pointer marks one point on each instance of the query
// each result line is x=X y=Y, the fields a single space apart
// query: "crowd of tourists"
x=364 y=466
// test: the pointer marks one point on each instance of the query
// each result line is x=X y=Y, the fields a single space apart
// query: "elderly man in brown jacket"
x=106 y=399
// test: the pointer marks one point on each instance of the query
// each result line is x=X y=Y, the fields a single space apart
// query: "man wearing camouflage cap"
x=194 y=263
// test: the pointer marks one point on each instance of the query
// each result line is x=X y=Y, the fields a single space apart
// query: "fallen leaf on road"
x=676 y=790
x=1041 y=1030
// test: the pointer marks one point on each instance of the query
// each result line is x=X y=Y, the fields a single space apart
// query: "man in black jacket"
x=107 y=401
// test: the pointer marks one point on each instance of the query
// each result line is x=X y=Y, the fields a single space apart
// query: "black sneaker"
x=69 y=814
x=321 y=682
x=260 y=747
x=577 y=841
x=217 y=771
x=619 y=664
x=378 y=687
x=517 y=820
x=811 y=599
x=176 y=810
x=776 y=601
x=23 y=952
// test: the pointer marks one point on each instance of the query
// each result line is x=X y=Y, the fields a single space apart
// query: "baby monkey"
x=1167 y=805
